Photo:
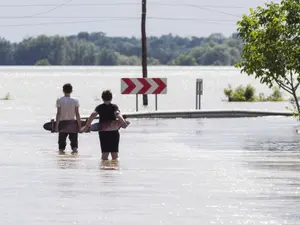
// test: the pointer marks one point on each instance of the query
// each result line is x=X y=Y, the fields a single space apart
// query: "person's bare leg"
x=115 y=155
x=105 y=155
x=74 y=151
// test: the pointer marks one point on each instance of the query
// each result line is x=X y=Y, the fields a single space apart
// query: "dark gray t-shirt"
x=106 y=112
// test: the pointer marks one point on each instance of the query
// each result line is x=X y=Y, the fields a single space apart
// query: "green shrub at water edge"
x=276 y=95
x=6 y=97
x=247 y=94
x=240 y=94
x=228 y=92
x=42 y=62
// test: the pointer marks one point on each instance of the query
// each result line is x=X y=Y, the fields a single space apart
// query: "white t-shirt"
x=67 y=107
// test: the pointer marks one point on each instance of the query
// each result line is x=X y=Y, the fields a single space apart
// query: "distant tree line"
x=99 y=49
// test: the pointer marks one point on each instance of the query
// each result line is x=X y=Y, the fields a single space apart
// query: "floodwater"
x=171 y=171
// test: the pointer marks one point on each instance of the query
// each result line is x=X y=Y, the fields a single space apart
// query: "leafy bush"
x=247 y=94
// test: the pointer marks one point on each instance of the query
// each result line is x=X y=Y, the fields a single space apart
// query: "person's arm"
x=78 y=115
x=89 y=121
x=119 y=116
x=58 y=112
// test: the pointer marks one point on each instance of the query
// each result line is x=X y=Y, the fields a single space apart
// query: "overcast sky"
x=24 y=18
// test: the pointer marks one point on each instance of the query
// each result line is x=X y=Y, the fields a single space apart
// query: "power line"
x=118 y=3
x=105 y=17
x=127 y=3
x=69 y=5
x=66 y=4
x=59 y=23
x=190 y=19
x=179 y=2
x=199 y=7
x=115 y=19
x=50 y=10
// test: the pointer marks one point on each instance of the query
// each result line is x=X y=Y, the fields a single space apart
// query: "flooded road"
x=171 y=172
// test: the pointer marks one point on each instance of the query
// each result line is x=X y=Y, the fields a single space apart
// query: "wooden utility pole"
x=144 y=46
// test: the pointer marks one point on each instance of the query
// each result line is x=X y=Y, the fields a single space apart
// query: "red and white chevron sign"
x=144 y=86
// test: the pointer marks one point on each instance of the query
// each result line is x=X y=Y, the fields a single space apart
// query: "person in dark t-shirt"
x=107 y=111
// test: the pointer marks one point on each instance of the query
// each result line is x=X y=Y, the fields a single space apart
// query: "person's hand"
x=84 y=129
x=125 y=125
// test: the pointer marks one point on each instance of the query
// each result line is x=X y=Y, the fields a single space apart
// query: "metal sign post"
x=137 y=103
x=199 y=92
x=156 y=102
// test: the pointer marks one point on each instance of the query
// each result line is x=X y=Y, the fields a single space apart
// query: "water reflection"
x=273 y=165
x=66 y=183
x=266 y=153
x=67 y=161
x=109 y=165
x=232 y=172
x=273 y=155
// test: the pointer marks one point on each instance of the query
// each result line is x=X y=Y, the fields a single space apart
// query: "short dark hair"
x=106 y=95
x=67 y=88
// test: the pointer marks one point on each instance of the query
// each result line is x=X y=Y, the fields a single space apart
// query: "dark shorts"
x=62 y=140
x=67 y=128
x=109 y=141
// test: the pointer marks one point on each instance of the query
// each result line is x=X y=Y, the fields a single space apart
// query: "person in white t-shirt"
x=68 y=122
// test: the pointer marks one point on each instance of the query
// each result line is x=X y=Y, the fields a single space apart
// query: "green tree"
x=30 y=50
x=97 y=48
x=107 y=57
x=6 y=52
x=185 y=60
x=80 y=52
x=271 y=38
x=217 y=56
